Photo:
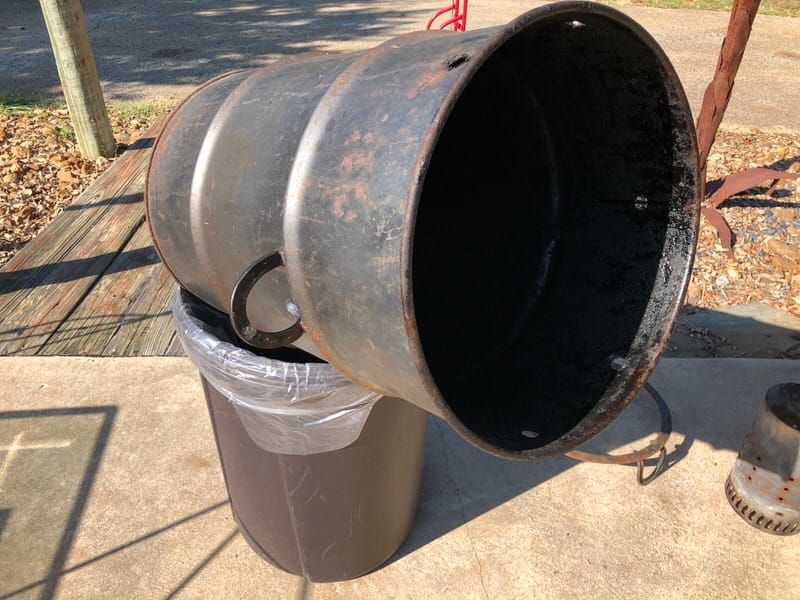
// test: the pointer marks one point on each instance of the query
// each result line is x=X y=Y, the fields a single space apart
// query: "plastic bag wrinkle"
x=285 y=407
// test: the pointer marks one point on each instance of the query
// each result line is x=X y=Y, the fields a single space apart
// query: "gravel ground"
x=766 y=263
x=42 y=171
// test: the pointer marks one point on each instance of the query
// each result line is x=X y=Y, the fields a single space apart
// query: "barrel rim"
x=624 y=388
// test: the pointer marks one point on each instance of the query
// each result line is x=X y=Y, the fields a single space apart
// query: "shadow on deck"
x=91 y=283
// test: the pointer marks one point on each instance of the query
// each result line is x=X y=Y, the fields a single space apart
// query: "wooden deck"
x=91 y=283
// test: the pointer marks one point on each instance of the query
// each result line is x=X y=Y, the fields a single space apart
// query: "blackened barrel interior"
x=551 y=214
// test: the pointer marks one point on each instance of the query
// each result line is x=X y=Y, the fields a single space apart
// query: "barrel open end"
x=555 y=231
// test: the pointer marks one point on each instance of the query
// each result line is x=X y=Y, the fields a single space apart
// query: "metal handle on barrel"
x=240 y=321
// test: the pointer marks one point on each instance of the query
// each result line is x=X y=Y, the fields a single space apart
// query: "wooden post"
x=78 y=74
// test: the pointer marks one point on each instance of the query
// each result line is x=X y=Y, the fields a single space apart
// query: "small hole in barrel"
x=454 y=62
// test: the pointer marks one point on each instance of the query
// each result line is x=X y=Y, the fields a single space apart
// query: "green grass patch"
x=784 y=8
x=144 y=110
x=14 y=103
x=64 y=134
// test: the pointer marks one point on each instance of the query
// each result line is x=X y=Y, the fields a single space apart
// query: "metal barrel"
x=480 y=223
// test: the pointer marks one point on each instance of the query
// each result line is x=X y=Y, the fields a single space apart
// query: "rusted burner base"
x=763 y=484
x=759 y=514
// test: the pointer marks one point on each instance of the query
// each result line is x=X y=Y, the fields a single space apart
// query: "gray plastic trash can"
x=323 y=476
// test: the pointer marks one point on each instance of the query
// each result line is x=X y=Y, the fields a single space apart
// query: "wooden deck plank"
x=46 y=282
x=126 y=313
x=154 y=336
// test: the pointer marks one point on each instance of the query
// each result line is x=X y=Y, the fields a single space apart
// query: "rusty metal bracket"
x=718 y=92
x=656 y=445
x=732 y=185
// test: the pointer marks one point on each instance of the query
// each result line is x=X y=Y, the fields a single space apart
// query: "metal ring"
x=239 y=320
x=657 y=444
x=662 y=459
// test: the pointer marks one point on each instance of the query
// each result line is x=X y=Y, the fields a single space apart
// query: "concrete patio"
x=114 y=490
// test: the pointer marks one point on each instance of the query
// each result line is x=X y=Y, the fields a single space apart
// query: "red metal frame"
x=458 y=17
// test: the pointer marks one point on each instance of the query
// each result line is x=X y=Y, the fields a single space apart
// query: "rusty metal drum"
x=480 y=223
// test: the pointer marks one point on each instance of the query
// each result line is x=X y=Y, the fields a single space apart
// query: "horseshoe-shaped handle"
x=241 y=323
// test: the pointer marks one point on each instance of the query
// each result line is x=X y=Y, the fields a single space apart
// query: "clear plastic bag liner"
x=285 y=407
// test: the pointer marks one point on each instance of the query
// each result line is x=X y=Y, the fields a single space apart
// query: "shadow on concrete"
x=180 y=42
x=461 y=483
x=739 y=331
x=134 y=542
x=5 y=514
x=466 y=482
x=84 y=486
x=202 y=564
x=304 y=590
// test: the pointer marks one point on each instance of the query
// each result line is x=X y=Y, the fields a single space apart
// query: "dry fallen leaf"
x=42 y=170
